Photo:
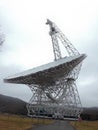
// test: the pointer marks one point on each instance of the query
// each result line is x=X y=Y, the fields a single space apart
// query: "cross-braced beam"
x=63 y=97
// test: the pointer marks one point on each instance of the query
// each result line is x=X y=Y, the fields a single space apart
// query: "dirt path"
x=58 y=125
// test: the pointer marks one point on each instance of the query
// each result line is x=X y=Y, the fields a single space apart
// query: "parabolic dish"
x=47 y=74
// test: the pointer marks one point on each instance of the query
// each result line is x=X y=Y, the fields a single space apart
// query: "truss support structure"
x=61 y=99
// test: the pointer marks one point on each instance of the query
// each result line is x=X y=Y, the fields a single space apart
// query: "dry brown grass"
x=13 y=122
x=85 y=125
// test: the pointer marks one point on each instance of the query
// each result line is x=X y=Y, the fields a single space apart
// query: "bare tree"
x=1 y=39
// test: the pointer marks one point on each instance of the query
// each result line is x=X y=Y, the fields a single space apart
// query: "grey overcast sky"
x=27 y=43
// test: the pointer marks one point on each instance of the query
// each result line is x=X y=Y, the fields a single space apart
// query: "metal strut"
x=62 y=98
x=56 y=36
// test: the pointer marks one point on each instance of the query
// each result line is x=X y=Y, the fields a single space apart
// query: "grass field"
x=13 y=122
x=85 y=125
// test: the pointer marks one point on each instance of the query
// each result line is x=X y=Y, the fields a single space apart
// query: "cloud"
x=28 y=44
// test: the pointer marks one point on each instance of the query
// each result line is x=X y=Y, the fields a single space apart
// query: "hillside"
x=12 y=105
x=90 y=113
x=91 y=110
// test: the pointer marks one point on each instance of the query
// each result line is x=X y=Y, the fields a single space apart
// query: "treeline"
x=90 y=113
x=89 y=117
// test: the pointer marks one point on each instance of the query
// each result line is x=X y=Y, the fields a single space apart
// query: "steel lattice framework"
x=63 y=98
x=54 y=85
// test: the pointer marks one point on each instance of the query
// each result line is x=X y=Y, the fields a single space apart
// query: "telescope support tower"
x=61 y=99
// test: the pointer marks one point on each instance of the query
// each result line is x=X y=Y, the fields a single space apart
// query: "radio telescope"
x=53 y=85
